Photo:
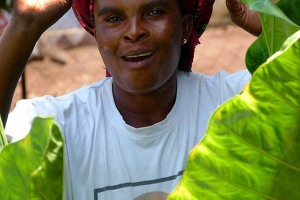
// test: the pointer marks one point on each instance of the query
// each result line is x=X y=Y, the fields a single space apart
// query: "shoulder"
x=80 y=96
x=86 y=92
x=241 y=75
x=221 y=79
x=19 y=120
x=76 y=105
x=218 y=87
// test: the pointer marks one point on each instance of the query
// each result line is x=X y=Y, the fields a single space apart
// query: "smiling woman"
x=141 y=50
x=129 y=134
x=200 y=9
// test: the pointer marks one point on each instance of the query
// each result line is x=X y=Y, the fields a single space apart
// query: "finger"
x=236 y=9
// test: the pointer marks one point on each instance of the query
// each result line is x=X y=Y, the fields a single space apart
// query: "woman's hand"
x=241 y=16
x=39 y=14
x=29 y=20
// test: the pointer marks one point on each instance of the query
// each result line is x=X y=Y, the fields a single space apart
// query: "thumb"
x=236 y=9
x=241 y=16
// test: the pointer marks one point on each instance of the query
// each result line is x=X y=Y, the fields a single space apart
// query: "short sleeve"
x=232 y=83
x=20 y=119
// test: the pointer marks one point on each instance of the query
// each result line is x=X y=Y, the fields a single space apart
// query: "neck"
x=141 y=110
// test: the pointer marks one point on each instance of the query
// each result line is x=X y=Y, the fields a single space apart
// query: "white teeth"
x=140 y=55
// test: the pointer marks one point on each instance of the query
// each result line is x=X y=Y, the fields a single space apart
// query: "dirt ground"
x=222 y=48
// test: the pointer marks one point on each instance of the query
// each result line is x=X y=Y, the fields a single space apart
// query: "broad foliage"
x=32 y=168
x=251 y=149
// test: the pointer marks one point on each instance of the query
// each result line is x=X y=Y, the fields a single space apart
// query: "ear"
x=187 y=26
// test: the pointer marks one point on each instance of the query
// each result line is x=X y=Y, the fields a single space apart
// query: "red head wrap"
x=200 y=9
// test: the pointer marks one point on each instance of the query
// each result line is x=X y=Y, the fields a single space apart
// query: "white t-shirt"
x=107 y=159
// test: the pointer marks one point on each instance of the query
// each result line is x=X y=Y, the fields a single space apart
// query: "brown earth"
x=222 y=48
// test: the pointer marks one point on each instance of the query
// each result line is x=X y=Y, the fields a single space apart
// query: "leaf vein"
x=279 y=94
x=263 y=152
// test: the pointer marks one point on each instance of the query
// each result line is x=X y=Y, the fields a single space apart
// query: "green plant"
x=32 y=168
x=251 y=149
x=279 y=21
x=3 y=139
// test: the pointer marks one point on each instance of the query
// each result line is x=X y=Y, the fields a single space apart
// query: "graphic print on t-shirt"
x=129 y=185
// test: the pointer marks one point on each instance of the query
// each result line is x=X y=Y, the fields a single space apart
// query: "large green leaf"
x=32 y=168
x=279 y=21
x=251 y=149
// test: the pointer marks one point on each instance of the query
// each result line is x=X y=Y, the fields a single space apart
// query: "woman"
x=128 y=135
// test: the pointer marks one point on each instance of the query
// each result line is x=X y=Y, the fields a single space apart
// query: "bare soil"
x=221 y=48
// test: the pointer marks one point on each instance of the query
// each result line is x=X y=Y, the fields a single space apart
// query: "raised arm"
x=29 y=20
x=241 y=16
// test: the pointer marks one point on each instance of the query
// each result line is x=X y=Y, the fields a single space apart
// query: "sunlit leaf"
x=251 y=149
x=32 y=168
x=279 y=21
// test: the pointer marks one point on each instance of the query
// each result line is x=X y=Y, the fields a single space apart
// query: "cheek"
x=106 y=38
x=170 y=42
x=170 y=32
x=107 y=46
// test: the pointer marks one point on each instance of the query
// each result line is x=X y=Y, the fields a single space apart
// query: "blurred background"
x=66 y=57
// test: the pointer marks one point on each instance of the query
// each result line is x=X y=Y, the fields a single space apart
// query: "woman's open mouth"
x=138 y=57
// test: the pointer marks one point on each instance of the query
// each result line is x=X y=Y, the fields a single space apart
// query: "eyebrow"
x=154 y=3
x=109 y=9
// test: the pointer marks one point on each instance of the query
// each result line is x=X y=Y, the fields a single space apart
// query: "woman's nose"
x=136 y=30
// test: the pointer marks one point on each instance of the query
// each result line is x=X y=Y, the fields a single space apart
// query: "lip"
x=138 y=55
x=138 y=58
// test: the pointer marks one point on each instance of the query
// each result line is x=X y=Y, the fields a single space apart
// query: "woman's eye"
x=155 y=12
x=113 y=19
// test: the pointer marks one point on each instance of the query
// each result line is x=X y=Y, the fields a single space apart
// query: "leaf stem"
x=3 y=139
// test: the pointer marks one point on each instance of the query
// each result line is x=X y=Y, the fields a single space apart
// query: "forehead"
x=135 y=3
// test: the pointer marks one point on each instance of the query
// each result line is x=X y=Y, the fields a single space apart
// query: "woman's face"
x=140 y=41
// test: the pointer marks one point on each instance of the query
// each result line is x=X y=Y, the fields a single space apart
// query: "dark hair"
x=185 y=55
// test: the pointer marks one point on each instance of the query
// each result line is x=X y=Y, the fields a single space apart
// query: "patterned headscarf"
x=200 y=9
